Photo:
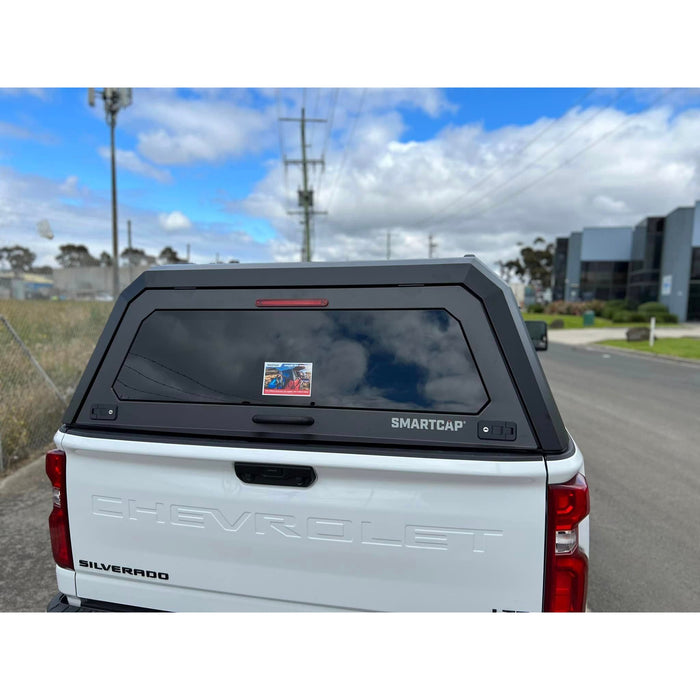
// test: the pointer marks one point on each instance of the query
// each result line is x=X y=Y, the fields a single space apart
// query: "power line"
x=329 y=128
x=315 y=110
x=556 y=145
x=347 y=143
x=576 y=155
x=316 y=133
x=282 y=151
x=488 y=176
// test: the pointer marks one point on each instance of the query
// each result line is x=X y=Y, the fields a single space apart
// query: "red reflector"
x=291 y=302
x=566 y=578
x=58 y=520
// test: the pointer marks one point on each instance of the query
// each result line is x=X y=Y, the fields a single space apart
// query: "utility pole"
x=114 y=99
x=128 y=233
x=305 y=195
x=431 y=246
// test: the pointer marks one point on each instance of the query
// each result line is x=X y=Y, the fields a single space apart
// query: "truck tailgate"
x=157 y=524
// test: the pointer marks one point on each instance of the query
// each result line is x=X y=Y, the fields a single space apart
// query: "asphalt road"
x=27 y=572
x=637 y=422
x=636 y=419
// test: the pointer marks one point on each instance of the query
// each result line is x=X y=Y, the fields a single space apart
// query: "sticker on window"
x=287 y=379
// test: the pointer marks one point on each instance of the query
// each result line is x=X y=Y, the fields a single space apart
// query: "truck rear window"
x=408 y=359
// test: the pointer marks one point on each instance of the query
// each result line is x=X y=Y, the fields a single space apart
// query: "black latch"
x=275 y=474
x=103 y=411
x=497 y=430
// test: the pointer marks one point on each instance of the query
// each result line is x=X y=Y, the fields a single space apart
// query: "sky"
x=482 y=170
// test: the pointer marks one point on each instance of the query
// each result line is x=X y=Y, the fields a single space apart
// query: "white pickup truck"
x=368 y=436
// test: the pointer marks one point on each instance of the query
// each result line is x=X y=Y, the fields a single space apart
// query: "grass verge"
x=577 y=321
x=688 y=348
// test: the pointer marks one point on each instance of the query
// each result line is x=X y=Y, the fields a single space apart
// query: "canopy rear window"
x=408 y=359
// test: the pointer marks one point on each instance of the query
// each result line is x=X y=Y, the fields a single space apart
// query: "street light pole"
x=115 y=230
x=114 y=99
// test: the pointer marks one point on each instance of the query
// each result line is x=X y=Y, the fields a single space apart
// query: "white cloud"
x=214 y=125
x=174 y=130
x=69 y=185
x=132 y=162
x=473 y=189
x=175 y=221
x=41 y=93
x=13 y=131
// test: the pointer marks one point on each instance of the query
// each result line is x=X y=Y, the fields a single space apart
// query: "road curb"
x=640 y=353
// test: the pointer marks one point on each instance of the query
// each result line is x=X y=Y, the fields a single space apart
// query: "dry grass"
x=61 y=336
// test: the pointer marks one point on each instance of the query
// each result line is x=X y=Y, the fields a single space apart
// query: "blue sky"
x=204 y=167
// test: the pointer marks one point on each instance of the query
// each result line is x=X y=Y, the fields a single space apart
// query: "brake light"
x=290 y=302
x=566 y=577
x=58 y=520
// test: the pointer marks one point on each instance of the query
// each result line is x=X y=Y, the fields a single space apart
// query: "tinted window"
x=388 y=359
x=695 y=264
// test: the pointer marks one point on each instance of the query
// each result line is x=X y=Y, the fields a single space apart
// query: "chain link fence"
x=44 y=347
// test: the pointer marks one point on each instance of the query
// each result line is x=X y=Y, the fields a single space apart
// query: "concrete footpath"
x=586 y=336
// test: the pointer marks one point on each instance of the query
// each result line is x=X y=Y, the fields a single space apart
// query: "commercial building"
x=25 y=285
x=597 y=264
x=679 y=286
x=656 y=260
x=92 y=282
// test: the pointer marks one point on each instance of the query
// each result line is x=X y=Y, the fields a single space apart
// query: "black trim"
x=283 y=420
x=59 y=603
x=301 y=280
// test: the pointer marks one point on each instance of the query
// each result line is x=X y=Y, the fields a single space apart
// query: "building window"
x=603 y=279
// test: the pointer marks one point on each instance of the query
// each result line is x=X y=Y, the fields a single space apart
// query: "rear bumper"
x=59 y=603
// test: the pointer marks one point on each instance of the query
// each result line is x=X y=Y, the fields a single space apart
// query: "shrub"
x=555 y=307
x=639 y=317
x=566 y=308
x=595 y=305
x=610 y=308
x=658 y=310
x=628 y=317
x=535 y=309
x=652 y=308
x=621 y=317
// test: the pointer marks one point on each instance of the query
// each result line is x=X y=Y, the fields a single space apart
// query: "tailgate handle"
x=274 y=474
x=284 y=420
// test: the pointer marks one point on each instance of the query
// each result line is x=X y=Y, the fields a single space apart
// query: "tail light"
x=566 y=578
x=58 y=520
